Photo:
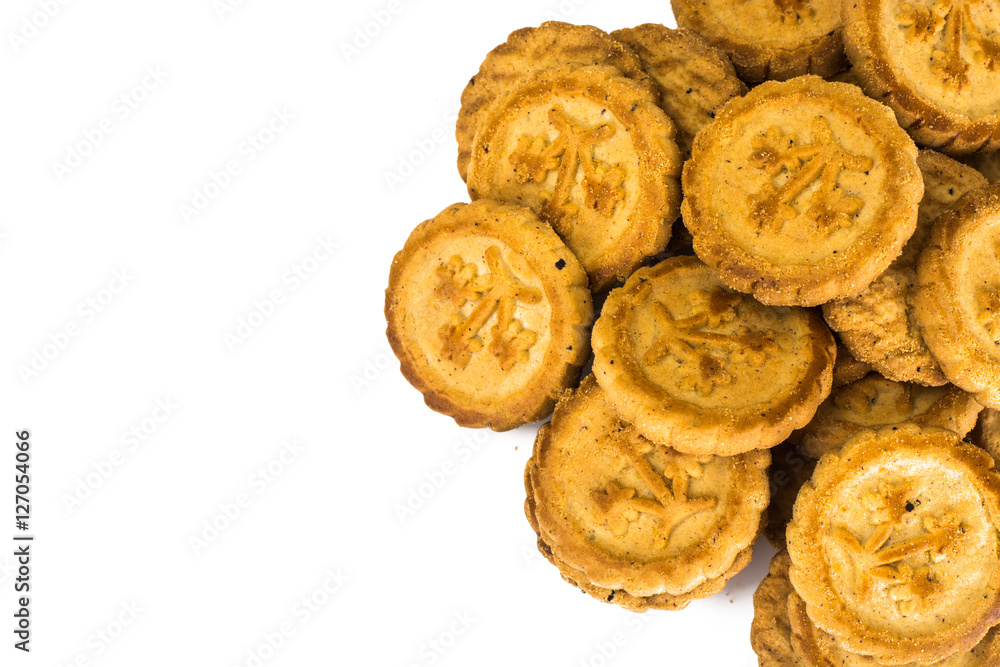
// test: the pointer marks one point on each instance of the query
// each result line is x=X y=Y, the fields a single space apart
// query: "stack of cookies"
x=801 y=355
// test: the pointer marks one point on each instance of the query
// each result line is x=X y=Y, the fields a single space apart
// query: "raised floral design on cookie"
x=571 y=150
x=498 y=291
x=949 y=25
x=905 y=568
x=822 y=160
x=705 y=353
x=620 y=506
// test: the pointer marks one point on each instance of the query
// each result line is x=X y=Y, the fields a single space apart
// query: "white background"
x=114 y=515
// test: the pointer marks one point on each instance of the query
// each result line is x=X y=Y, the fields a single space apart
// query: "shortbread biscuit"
x=663 y=601
x=770 y=39
x=815 y=648
x=526 y=52
x=957 y=299
x=770 y=632
x=879 y=325
x=935 y=62
x=987 y=432
x=783 y=636
x=875 y=401
x=894 y=545
x=623 y=514
x=801 y=192
x=489 y=314
x=706 y=370
x=789 y=470
x=847 y=369
x=591 y=152
x=695 y=78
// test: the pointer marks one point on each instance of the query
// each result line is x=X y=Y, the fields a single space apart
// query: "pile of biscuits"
x=791 y=312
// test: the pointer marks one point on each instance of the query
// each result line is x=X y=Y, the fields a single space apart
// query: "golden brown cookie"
x=695 y=78
x=879 y=325
x=770 y=632
x=526 y=52
x=789 y=470
x=663 y=601
x=815 y=648
x=783 y=636
x=987 y=432
x=623 y=514
x=706 y=370
x=957 y=299
x=847 y=369
x=935 y=62
x=874 y=401
x=489 y=314
x=593 y=154
x=770 y=39
x=801 y=192
x=895 y=546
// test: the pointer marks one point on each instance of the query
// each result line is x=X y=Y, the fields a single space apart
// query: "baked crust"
x=847 y=369
x=957 y=299
x=488 y=352
x=815 y=648
x=526 y=52
x=987 y=433
x=770 y=632
x=935 y=63
x=783 y=636
x=801 y=192
x=875 y=401
x=591 y=152
x=879 y=325
x=631 y=516
x=663 y=601
x=705 y=370
x=894 y=544
x=770 y=39
x=789 y=470
x=695 y=79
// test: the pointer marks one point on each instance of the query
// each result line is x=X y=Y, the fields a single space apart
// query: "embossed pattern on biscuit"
x=593 y=155
x=936 y=63
x=801 y=192
x=531 y=50
x=705 y=369
x=488 y=313
x=894 y=544
x=631 y=515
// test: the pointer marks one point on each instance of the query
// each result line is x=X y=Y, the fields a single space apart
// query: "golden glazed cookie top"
x=939 y=63
x=489 y=314
x=707 y=370
x=801 y=192
x=894 y=544
x=957 y=299
x=635 y=516
x=591 y=152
